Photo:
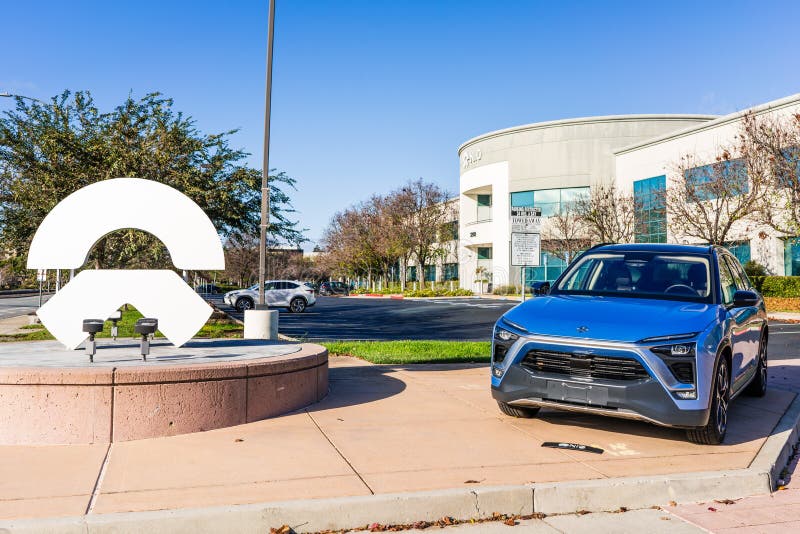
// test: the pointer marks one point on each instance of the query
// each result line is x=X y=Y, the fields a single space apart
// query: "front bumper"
x=644 y=400
x=652 y=397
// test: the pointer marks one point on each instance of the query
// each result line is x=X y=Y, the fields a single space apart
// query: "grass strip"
x=403 y=352
x=214 y=328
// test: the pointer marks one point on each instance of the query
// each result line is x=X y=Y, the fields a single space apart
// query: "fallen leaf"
x=712 y=509
x=239 y=440
x=582 y=512
x=664 y=518
x=673 y=503
x=470 y=481
x=725 y=501
x=284 y=529
x=510 y=522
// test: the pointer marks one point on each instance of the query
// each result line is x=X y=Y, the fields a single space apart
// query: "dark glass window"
x=740 y=250
x=650 y=216
x=430 y=273
x=709 y=179
x=791 y=256
x=411 y=274
x=450 y=271
x=484 y=253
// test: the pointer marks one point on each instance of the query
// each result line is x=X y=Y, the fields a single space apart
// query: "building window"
x=551 y=201
x=411 y=273
x=484 y=253
x=449 y=271
x=430 y=273
x=550 y=267
x=650 y=217
x=791 y=256
x=709 y=180
x=740 y=250
x=484 y=208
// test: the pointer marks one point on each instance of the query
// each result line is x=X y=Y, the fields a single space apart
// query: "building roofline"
x=584 y=120
x=719 y=121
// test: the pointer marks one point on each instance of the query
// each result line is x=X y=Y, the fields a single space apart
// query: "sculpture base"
x=50 y=395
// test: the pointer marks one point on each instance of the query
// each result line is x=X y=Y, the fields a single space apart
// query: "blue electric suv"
x=663 y=333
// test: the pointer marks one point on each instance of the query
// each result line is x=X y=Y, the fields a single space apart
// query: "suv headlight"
x=678 y=350
x=503 y=335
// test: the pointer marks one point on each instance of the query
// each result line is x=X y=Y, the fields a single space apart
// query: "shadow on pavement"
x=350 y=386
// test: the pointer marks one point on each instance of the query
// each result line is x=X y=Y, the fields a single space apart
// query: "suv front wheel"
x=244 y=303
x=297 y=305
x=714 y=432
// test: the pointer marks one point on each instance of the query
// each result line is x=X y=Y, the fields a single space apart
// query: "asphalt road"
x=13 y=306
x=382 y=319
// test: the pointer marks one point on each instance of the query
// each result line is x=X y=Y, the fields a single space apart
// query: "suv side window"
x=290 y=285
x=269 y=286
x=726 y=281
x=742 y=282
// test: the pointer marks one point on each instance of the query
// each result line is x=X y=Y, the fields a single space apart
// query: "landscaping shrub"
x=758 y=282
x=780 y=286
x=506 y=290
x=753 y=269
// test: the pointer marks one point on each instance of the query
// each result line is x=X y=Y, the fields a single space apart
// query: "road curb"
x=462 y=503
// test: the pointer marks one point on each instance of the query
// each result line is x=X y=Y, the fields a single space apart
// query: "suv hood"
x=610 y=318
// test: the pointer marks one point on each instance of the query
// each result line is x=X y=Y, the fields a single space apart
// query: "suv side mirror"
x=540 y=288
x=743 y=299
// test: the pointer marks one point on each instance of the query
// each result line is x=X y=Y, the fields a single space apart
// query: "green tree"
x=48 y=151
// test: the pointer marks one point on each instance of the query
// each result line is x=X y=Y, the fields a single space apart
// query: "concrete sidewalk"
x=383 y=430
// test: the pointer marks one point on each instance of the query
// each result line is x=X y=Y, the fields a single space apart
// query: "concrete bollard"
x=261 y=324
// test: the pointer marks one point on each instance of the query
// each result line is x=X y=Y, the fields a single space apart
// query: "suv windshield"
x=639 y=274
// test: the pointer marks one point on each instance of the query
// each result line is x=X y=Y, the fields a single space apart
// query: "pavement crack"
x=339 y=452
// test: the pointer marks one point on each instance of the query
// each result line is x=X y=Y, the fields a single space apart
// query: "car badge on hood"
x=583 y=329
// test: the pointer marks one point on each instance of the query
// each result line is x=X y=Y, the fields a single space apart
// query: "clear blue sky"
x=368 y=94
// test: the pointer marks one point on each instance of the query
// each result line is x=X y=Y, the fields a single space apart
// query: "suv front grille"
x=584 y=365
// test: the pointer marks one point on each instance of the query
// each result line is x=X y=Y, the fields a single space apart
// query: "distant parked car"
x=312 y=285
x=290 y=294
x=334 y=288
x=208 y=289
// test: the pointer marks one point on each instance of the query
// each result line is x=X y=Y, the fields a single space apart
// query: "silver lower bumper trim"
x=599 y=410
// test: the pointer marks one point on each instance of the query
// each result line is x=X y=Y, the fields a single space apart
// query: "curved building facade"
x=541 y=165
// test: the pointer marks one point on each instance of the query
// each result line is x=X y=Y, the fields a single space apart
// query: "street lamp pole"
x=262 y=251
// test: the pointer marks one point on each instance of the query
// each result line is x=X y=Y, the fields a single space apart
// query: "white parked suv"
x=290 y=294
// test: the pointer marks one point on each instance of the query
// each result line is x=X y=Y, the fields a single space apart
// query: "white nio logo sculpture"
x=70 y=230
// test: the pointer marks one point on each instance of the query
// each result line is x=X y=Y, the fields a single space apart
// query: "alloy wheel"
x=721 y=396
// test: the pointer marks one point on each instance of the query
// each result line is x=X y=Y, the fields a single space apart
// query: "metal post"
x=262 y=249
x=522 y=281
x=58 y=280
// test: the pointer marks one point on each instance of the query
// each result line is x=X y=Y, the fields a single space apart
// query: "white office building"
x=548 y=164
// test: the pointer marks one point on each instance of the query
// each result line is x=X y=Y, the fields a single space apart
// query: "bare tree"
x=565 y=233
x=607 y=214
x=771 y=146
x=425 y=211
x=241 y=260
x=704 y=201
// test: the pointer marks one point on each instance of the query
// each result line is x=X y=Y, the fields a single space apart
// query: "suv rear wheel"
x=516 y=411
x=714 y=432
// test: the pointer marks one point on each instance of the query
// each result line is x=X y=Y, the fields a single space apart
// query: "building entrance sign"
x=526 y=220
x=68 y=233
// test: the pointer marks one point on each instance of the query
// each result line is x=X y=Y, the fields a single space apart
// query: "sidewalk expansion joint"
x=99 y=481
x=340 y=453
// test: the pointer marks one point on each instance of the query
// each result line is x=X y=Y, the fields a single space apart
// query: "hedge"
x=778 y=286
